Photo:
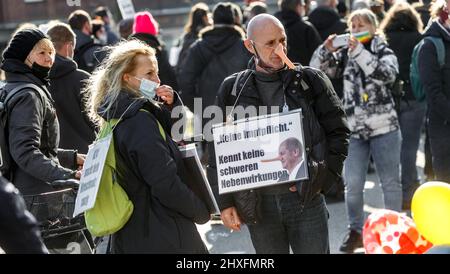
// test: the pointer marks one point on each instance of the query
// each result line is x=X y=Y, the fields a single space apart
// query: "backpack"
x=5 y=96
x=112 y=208
x=398 y=93
x=79 y=57
x=414 y=74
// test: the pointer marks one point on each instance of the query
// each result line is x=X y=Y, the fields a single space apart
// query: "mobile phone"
x=341 y=40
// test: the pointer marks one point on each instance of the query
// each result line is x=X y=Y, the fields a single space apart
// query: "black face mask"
x=40 y=71
x=263 y=65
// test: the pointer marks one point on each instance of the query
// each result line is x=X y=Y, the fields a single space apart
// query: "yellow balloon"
x=430 y=210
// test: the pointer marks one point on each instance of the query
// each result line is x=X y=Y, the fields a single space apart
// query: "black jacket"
x=66 y=84
x=402 y=42
x=424 y=11
x=436 y=81
x=88 y=51
x=302 y=37
x=166 y=72
x=185 y=42
x=327 y=21
x=19 y=232
x=151 y=171
x=219 y=53
x=325 y=129
x=33 y=132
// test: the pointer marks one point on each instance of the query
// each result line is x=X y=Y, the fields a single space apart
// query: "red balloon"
x=391 y=232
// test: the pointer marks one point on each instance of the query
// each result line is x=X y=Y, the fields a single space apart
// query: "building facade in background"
x=171 y=14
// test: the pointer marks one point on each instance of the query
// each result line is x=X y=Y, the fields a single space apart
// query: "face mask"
x=363 y=36
x=148 y=88
x=261 y=63
x=103 y=39
x=40 y=71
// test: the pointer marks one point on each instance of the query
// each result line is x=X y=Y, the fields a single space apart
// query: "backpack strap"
x=440 y=49
x=16 y=90
x=236 y=83
x=161 y=129
x=305 y=85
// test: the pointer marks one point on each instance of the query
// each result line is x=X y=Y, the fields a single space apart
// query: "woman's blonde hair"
x=45 y=44
x=436 y=8
x=364 y=14
x=106 y=83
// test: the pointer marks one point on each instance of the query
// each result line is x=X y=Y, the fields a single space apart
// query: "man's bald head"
x=259 y=24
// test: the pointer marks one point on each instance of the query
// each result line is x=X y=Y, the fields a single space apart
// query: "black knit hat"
x=22 y=43
x=223 y=14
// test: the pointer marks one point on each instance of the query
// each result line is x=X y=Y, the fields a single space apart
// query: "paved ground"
x=220 y=240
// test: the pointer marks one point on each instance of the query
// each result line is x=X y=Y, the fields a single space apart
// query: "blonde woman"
x=369 y=67
x=32 y=126
x=150 y=167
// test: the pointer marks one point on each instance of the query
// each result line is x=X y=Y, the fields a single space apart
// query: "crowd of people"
x=71 y=77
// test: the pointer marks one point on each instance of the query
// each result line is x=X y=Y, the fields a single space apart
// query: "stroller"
x=62 y=233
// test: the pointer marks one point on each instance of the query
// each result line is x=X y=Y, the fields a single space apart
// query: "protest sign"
x=126 y=8
x=197 y=180
x=260 y=151
x=91 y=175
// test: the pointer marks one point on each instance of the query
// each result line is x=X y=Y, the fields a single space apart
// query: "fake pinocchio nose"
x=280 y=52
x=271 y=160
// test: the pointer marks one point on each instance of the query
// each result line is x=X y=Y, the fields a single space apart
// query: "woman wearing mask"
x=369 y=66
x=99 y=32
x=436 y=83
x=403 y=26
x=150 y=168
x=32 y=126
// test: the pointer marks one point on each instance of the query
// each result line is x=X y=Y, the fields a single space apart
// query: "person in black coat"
x=402 y=26
x=274 y=213
x=150 y=167
x=19 y=232
x=146 y=29
x=326 y=19
x=88 y=54
x=302 y=36
x=198 y=19
x=66 y=86
x=219 y=53
x=32 y=125
x=436 y=82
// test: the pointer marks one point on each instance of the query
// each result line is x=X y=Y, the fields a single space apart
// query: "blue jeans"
x=411 y=118
x=284 y=224
x=439 y=135
x=385 y=151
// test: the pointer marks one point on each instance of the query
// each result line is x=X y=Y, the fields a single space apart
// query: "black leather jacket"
x=325 y=129
x=19 y=232
x=33 y=134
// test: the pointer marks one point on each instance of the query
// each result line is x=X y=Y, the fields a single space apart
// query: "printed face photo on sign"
x=260 y=151
x=290 y=155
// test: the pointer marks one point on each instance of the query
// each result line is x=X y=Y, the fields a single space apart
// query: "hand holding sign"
x=230 y=218
x=280 y=52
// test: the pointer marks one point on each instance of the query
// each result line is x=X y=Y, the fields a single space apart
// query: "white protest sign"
x=126 y=8
x=91 y=175
x=260 y=151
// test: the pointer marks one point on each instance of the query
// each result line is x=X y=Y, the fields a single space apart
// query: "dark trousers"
x=283 y=223
x=440 y=149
